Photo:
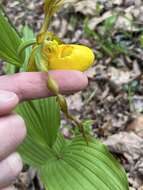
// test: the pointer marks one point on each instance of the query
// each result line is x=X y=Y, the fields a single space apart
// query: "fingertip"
x=70 y=81
x=8 y=101
x=9 y=188
x=10 y=169
x=20 y=128
x=83 y=80
x=12 y=134
x=15 y=164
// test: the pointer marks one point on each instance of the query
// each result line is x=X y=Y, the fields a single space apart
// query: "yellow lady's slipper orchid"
x=66 y=57
x=70 y=57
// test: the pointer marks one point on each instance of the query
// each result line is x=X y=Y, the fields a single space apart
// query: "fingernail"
x=15 y=163
x=9 y=188
x=6 y=96
x=10 y=169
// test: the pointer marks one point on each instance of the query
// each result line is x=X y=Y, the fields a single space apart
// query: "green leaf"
x=110 y=22
x=35 y=152
x=9 y=41
x=82 y=167
x=25 y=45
x=28 y=34
x=66 y=164
x=141 y=40
x=42 y=120
x=39 y=58
x=9 y=69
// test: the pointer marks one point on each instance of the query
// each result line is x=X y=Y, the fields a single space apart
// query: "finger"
x=12 y=133
x=8 y=101
x=34 y=85
x=10 y=169
x=9 y=188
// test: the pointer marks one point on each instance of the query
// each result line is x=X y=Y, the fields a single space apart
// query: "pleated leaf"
x=82 y=167
x=9 y=41
x=42 y=120
x=66 y=164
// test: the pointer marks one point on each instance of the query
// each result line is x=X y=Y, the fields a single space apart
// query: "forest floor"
x=113 y=99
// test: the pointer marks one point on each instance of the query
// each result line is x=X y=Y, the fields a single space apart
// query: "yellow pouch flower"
x=66 y=57
x=70 y=57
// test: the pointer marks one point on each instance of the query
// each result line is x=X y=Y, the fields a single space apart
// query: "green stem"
x=45 y=24
x=64 y=108
x=24 y=45
x=78 y=124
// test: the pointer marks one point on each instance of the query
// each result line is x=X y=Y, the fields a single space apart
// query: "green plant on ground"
x=81 y=163
x=131 y=88
x=104 y=37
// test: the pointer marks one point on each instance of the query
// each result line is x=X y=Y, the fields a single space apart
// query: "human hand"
x=20 y=87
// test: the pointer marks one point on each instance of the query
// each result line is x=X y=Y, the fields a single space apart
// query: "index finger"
x=33 y=85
